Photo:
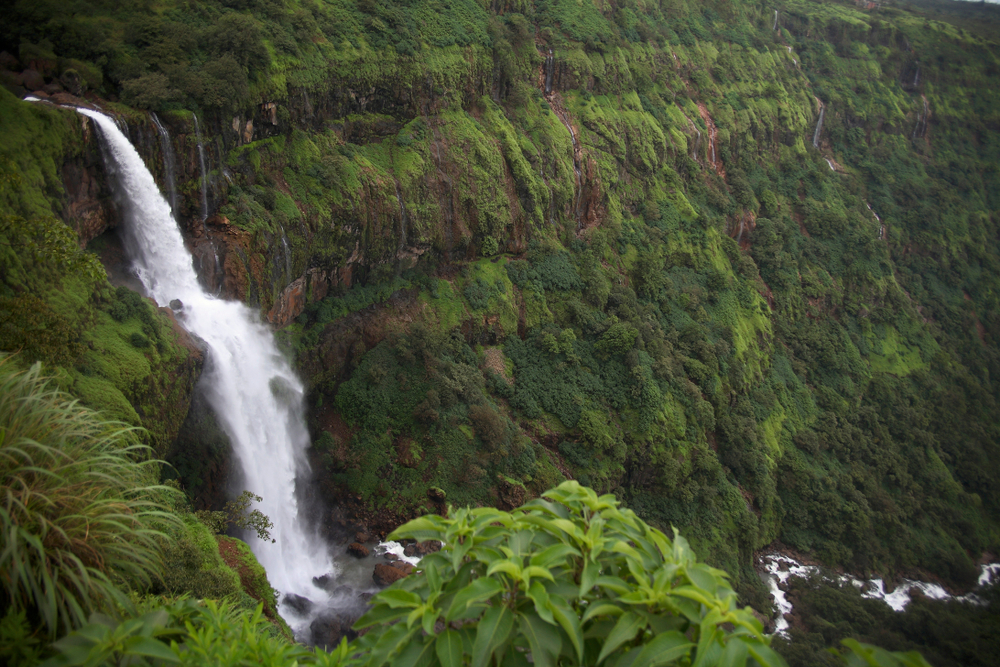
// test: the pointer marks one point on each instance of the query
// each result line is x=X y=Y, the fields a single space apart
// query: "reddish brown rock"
x=386 y=574
x=358 y=550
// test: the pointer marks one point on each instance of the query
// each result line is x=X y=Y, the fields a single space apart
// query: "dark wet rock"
x=176 y=304
x=420 y=549
x=326 y=582
x=300 y=604
x=358 y=550
x=328 y=629
x=362 y=536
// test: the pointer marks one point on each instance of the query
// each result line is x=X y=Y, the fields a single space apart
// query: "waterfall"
x=169 y=163
x=204 y=172
x=250 y=385
x=819 y=124
x=549 y=60
x=775 y=26
x=916 y=77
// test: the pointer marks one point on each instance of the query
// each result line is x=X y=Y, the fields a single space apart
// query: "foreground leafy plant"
x=567 y=579
x=78 y=522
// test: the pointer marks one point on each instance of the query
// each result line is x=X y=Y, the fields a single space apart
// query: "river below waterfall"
x=779 y=569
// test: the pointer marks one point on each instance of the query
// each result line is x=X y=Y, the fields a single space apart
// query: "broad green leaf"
x=433 y=577
x=448 y=647
x=702 y=577
x=543 y=639
x=493 y=630
x=603 y=609
x=511 y=569
x=624 y=548
x=418 y=653
x=768 y=657
x=735 y=654
x=479 y=590
x=430 y=527
x=707 y=636
x=556 y=553
x=152 y=648
x=397 y=599
x=614 y=584
x=663 y=649
x=540 y=597
x=588 y=577
x=625 y=629
x=535 y=571
x=569 y=621
x=379 y=614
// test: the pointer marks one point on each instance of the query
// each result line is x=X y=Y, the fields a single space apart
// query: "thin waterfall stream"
x=204 y=172
x=169 y=162
x=255 y=394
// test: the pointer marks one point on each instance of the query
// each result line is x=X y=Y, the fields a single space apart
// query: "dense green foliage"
x=79 y=516
x=565 y=580
x=686 y=302
x=569 y=579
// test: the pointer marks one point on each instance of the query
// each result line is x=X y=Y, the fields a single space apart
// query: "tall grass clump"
x=79 y=514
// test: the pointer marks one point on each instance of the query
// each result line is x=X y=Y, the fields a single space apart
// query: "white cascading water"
x=252 y=388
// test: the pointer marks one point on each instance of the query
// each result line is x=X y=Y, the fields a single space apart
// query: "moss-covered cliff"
x=611 y=241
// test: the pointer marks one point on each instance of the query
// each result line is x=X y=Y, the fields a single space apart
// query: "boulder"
x=388 y=573
x=421 y=549
x=300 y=604
x=358 y=550
x=32 y=79
x=176 y=304
x=362 y=537
x=328 y=629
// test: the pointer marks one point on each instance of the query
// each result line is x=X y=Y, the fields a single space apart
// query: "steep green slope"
x=596 y=240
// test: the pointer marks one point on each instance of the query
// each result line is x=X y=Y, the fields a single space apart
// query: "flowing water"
x=548 y=72
x=781 y=568
x=819 y=124
x=251 y=387
x=204 y=172
x=169 y=163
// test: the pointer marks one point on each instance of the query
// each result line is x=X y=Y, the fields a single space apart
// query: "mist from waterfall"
x=250 y=385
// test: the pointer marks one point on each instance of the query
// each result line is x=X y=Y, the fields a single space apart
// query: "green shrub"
x=77 y=514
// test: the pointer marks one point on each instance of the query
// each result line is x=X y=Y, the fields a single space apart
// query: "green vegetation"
x=90 y=537
x=646 y=277
x=79 y=517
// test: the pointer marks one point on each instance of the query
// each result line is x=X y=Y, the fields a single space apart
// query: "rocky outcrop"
x=358 y=550
x=389 y=573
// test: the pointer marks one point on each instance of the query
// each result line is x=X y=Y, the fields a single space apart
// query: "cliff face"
x=609 y=242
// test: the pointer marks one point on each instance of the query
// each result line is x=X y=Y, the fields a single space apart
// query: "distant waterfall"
x=819 y=124
x=169 y=163
x=251 y=387
x=204 y=172
x=916 y=77
x=775 y=26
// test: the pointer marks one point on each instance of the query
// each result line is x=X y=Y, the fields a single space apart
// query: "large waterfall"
x=255 y=394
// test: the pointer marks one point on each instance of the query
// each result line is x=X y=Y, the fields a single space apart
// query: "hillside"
x=736 y=263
